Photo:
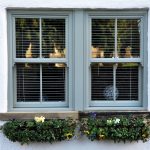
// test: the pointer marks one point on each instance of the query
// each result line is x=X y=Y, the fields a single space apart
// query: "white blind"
x=127 y=78
x=103 y=38
x=128 y=38
x=40 y=38
x=46 y=84
x=27 y=38
x=28 y=82
x=111 y=82
x=53 y=38
x=101 y=79
x=53 y=82
x=115 y=38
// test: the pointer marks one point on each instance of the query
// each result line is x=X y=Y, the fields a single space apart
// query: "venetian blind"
x=27 y=38
x=115 y=38
x=40 y=38
x=111 y=82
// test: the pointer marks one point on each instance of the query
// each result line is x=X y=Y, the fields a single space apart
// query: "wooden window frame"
x=78 y=59
x=13 y=104
x=117 y=105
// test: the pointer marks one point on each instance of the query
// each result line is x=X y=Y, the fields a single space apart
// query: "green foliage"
x=31 y=131
x=117 y=129
x=122 y=128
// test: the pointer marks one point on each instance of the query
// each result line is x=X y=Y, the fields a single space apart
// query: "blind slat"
x=103 y=38
x=126 y=82
x=28 y=82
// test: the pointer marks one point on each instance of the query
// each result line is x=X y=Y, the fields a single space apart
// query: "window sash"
x=114 y=102
x=114 y=70
x=96 y=104
x=67 y=61
x=41 y=103
x=67 y=23
x=116 y=18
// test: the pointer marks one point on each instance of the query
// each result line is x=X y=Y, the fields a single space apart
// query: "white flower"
x=117 y=120
x=109 y=122
x=145 y=121
x=39 y=119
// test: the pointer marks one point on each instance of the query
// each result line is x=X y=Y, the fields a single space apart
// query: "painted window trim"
x=79 y=58
x=13 y=105
x=128 y=105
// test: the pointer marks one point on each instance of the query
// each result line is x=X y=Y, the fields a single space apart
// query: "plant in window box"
x=116 y=128
x=39 y=130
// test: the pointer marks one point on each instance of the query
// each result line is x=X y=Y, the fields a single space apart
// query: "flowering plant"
x=123 y=128
x=39 y=119
x=39 y=130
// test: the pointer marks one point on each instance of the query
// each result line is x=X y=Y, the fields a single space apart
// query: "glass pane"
x=127 y=81
x=128 y=38
x=53 y=38
x=102 y=82
x=27 y=37
x=103 y=38
x=53 y=82
x=28 y=82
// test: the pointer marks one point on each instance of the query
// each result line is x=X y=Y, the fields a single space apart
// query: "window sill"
x=83 y=114
x=65 y=114
x=31 y=115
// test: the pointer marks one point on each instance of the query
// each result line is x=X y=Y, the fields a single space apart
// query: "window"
x=41 y=61
x=116 y=60
x=77 y=60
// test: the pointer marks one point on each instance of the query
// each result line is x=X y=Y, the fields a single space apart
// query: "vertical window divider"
x=116 y=55
x=115 y=65
x=114 y=81
x=41 y=94
x=41 y=57
x=40 y=37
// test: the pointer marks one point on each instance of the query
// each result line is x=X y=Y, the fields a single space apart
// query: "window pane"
x=53 y=38
x=28 y=82
x=103 y=38
x=27 y=38
x=53 y=82
x=102 y=81
x=128 y=38
x=127 y=81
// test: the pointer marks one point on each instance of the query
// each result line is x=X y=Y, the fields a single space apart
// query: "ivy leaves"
x=118 y=129
x=31 y=131
x=123 y=128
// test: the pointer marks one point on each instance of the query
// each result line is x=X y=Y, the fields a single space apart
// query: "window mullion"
x=115 y=65
x=116 y=55
x=41 y=94
x=114 y=81
x=40 y=38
